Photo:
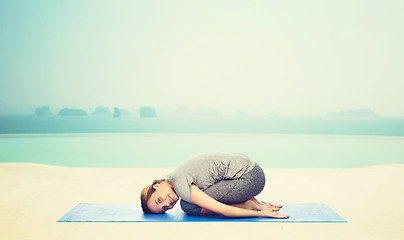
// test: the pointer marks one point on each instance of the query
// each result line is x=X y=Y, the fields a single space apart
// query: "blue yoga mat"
x=110 y=212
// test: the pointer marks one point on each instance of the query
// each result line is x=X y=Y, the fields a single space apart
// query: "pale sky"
x=291 y=57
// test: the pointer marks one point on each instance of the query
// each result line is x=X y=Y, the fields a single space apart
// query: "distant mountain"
x=362 y=112
x=42 y=111
x=117 y=112
x=72 y=112
x=102 y=111
x=147 y=112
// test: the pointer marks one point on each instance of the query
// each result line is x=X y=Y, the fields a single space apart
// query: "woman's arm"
x=206 y=202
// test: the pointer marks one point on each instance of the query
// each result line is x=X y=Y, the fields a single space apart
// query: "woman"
x=212 y=183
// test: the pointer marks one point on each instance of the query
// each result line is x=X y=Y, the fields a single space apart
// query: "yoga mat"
x=110 y=212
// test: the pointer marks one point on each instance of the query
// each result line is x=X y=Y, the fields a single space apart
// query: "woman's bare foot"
x=265 y=205
x=254 y=204
x=249 y=204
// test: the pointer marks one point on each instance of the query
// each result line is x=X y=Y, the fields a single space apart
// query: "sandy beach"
x=35 y=196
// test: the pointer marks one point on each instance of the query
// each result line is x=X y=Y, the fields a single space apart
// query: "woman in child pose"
x=212 y=183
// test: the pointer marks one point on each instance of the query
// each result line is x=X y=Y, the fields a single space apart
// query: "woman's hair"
x=146 y=193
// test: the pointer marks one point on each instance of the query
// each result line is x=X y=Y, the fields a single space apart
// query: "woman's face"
x=163 y=199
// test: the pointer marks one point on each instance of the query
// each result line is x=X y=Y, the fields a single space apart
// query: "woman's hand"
x=272 y=214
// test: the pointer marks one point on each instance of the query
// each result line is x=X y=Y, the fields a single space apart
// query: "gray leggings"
x=232 y=191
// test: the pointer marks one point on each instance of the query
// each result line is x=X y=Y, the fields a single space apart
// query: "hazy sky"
x=291 y=57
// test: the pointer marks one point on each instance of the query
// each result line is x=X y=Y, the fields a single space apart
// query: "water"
x=165 y=142
x=375 y=126
x=170 y=149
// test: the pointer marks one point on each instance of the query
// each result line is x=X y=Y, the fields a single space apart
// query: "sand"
x=35 y=196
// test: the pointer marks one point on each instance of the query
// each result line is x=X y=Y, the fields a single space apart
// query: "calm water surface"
x=170 y=149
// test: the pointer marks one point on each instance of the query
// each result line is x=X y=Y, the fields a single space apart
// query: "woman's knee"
x=260 y=179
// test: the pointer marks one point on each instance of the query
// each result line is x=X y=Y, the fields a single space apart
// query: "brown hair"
x=146 y=193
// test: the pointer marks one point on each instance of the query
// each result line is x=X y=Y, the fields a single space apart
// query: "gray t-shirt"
x=206 y=169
